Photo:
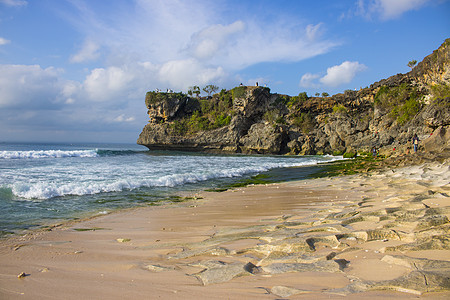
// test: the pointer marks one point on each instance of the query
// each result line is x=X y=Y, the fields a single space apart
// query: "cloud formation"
x=209 y=41
x=187 y=45
x=4 y=41
x=308 y=80
x=342 y=74
x=89 y=52
x=387 y=9
x=30 y=86
x=335 y=76
x=105 y=56
x=13 y=2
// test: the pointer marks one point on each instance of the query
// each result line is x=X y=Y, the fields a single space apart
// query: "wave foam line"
x=47 y=154
x=47 y=190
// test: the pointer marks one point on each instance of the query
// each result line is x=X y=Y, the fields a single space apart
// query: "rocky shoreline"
x=330 y=238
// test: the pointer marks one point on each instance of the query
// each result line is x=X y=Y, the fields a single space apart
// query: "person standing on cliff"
x=374 y=151
x=415 y=141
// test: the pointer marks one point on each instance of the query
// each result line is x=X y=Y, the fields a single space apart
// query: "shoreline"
x=171 y=198
x=241 y=243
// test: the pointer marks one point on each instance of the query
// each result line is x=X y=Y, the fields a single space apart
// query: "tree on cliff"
x=210 y=89
x=194 y=90
x=412 y=63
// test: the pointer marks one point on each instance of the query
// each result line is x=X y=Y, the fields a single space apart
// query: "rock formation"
x=250 y=119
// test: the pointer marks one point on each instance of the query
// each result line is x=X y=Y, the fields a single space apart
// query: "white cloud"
x=122 y=118
x=106 y=83
x=88 y=52
x=392 y=9
x=30 y=86
x=336 y=75
x=256 y=43
x=14 y=2
x=308 y=80
x=180 y=74
x=314 y=31
x=165 y=31
x=153 y=44
x=36 y=103
x=387 y=9
x=343 y=73
x=4 y=41
x=209 y=41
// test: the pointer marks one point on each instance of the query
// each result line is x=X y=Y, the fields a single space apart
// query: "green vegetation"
x=257 y=179
x=440 y=91
x=238 y=92
x=172 y=199
x=214 y=113
x=194 y=90
x=402 y=101
x=304 y=121
x=350 y=154
x=412 y=63
x=88 y=229
x=271 y=115
x=157 y=97
x=210 y=89
x=407 y=111
x=200 y=122
x=339 y=109
x=296 y=100
x=281 y=100
x=349 y=167
x=216 y=190
x=325 y=94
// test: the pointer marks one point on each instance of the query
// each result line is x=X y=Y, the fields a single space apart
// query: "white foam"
x=46 y=154
x=111 y=174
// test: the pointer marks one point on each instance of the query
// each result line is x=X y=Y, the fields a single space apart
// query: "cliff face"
x=385 y=115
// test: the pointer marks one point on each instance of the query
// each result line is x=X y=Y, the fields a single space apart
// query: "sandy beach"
x=378 y=235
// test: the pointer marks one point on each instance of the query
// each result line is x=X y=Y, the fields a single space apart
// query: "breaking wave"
x=49 y=189
x=34 y=154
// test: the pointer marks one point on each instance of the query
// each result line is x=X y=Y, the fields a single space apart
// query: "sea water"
x=41 y=184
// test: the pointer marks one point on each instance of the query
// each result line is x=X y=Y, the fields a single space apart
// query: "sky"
x=78 y=70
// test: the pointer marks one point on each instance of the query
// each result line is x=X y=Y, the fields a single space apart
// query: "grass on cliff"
x=305 y=121
x=440 y=91
x=158 y=97
x=403 y=102
x=238 y=92
x=214 y=113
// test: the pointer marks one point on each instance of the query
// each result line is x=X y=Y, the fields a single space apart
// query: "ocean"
x=44 y=184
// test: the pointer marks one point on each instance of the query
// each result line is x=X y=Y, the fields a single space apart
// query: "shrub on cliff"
x=402 y=102
x=157 y=97
x=213 y=113
x=297 y=100
x=339 y=109
x=440 y=91
x=304 y=121
x=238 y=92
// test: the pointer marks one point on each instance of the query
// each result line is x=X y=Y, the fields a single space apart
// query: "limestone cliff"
x=249 y=119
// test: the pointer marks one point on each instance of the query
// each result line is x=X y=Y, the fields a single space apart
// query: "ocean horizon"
x=46 y=183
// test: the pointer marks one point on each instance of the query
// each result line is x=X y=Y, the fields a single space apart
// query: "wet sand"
x=344 y=237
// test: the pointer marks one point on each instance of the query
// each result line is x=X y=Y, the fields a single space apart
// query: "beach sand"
x=379 y=235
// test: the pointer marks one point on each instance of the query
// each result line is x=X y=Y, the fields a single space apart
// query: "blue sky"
x=78 y=71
